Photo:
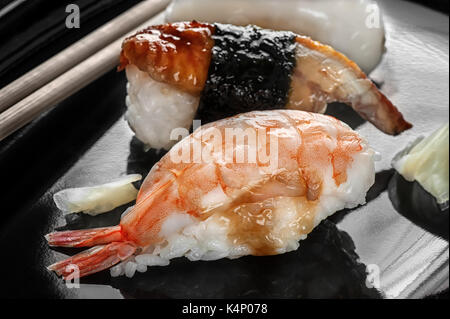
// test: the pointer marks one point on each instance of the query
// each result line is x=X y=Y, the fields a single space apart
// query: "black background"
x=35 y=30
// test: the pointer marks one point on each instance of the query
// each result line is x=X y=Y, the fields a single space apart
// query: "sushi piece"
x=419 y=190
x=426 y=161
x=211 y=71
x=210 y=197
x=94 y=200
x=353 y=27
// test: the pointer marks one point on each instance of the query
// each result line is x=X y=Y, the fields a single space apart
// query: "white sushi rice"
x=360 y=177
x=156 y=108
x=209 y=240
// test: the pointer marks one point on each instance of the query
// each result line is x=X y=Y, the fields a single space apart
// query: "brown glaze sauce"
x=178 y=53
x=251 y=218
x=253 y=224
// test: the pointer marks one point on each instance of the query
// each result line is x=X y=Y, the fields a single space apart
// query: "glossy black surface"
x=327 y=251
x=35 y=30
x=31 y=161
x=411 y=200
x=85 y=141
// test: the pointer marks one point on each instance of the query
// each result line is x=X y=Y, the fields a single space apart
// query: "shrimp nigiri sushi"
x=184 y=70
x=215 y=203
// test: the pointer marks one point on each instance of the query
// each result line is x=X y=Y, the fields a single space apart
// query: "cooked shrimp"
x=222 y=205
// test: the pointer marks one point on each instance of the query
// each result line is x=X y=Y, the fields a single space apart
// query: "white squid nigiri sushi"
x=353 y=27
x=205 y=200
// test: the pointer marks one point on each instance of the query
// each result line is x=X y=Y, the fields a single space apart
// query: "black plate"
x=86 y=141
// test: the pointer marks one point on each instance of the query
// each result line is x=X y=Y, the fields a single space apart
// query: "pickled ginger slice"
x=426 y=161
x=94 y=200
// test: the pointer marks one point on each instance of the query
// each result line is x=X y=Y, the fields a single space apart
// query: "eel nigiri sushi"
x=220 y=207
x=184 y=70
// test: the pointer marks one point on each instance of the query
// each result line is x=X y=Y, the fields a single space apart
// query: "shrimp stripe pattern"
x=261 y=207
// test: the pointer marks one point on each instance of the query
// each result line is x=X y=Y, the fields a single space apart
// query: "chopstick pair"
x=70 y=70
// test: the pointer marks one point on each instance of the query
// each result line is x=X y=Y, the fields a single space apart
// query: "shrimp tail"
x=85 y=237
x=93 y=260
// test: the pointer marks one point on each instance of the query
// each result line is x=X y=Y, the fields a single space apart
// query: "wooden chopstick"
x=79 y=51
x=65 y=85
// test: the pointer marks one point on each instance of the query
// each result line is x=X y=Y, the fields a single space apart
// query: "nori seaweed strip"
x=250 y=69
